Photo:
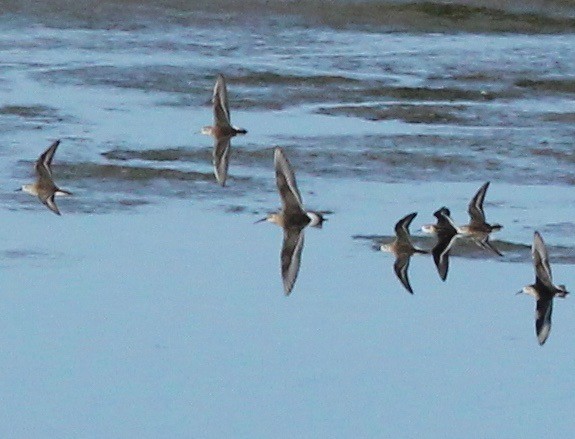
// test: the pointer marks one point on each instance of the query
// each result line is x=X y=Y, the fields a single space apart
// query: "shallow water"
x=154 y=307
x=115 y=325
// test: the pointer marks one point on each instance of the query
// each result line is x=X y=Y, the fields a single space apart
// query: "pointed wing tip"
x=488 y=245
x=443 y=211
x=483 y=188
x=400 y=267
x=442 y=270
x=220 y=79
x=405 y=222
x=542 y=337
x=54 y=144
x=51 y=204
x=537 y=235
x=288 y=287
x=221 y=177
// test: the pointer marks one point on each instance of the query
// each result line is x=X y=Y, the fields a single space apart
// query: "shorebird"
x=402 y=248
x=44 y=187
x=292 y=212
x=544 y=290
x=293 y=218
x=446 y=235
x=222 y=130
x=478 y=229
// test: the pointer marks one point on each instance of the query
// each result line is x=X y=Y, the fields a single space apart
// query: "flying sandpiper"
x=44 y=187
x=544 y=290
x=402 y=248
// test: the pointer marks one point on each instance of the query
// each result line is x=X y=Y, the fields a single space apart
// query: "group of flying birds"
x=293 y=218
x=478 y=230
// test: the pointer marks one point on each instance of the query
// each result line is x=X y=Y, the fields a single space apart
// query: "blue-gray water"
x=154 y=307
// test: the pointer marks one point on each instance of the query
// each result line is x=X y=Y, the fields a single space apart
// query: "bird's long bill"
x=519 y=292
x=261 y=220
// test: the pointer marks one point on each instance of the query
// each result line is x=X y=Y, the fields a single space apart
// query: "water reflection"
x=544 y=290
x=292 y=217
x=402 y=248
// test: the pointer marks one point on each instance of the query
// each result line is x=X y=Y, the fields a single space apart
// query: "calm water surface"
x=154 y=307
